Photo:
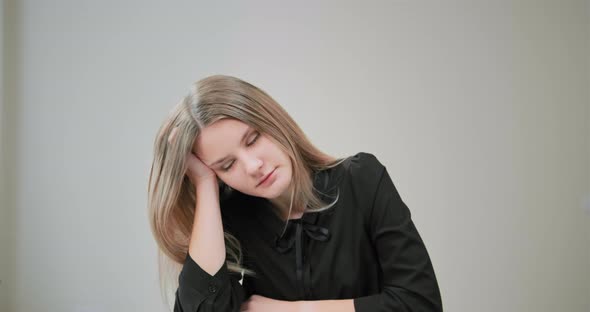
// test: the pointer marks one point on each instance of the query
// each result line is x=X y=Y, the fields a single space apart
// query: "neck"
x=281 y=205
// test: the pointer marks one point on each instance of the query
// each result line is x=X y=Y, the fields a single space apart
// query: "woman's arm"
x=342 y=305
x=409 y=280
x=207 y=246
x=205 y=284
x=258 y=303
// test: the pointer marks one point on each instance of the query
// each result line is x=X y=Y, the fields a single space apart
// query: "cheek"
x=229 y=179
x=269 y=144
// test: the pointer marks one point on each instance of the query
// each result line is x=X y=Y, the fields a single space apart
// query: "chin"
x=273 y=192
x=278 y=189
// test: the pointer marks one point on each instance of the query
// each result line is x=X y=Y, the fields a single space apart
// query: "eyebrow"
x=241 y=141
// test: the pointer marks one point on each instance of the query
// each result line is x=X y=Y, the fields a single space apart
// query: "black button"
x=212 y=288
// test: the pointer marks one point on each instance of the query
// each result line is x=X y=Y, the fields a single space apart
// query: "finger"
x=173 y=135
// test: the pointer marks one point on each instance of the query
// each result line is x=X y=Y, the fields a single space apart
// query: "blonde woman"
x=249 y=215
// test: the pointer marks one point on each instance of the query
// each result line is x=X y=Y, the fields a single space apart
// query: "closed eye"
x=225 y=169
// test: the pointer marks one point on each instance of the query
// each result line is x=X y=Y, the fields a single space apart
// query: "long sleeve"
x=200 y=291
x=409 y=281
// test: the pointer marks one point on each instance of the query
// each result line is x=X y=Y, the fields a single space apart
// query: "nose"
x=253 y=164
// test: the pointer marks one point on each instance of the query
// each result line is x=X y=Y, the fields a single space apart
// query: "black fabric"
x=365 y=248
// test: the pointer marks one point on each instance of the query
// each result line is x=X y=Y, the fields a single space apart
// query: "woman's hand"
x=197 y=171
x=257 y=303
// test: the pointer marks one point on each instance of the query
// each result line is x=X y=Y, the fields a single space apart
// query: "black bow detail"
x=285 y=243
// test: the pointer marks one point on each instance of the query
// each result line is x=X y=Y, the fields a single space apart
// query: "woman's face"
x=247 y=157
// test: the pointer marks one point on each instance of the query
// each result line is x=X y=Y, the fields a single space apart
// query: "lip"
x=267 y=178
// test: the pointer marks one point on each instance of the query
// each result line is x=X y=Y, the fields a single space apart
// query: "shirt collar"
x=268 y=224
x=325 y=184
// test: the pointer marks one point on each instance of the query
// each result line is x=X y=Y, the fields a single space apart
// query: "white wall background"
x=479 y=110
x=4 y=218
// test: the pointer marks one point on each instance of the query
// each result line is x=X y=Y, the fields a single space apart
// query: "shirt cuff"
x=193 y=276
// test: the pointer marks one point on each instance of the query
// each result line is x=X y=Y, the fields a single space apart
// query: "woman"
x=250 y=216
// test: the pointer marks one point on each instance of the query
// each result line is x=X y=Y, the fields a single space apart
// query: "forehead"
x=219 y=139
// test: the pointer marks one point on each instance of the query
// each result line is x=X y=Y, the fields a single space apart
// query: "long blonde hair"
x=171 y=195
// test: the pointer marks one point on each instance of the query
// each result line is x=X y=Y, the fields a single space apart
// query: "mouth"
x=266 y=177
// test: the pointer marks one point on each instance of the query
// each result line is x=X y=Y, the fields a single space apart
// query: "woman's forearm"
x=207 y=246
x=342 y=305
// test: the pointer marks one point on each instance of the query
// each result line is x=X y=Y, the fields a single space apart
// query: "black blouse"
x=365 y=248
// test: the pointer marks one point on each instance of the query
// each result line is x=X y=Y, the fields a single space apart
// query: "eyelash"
x=232 y=163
